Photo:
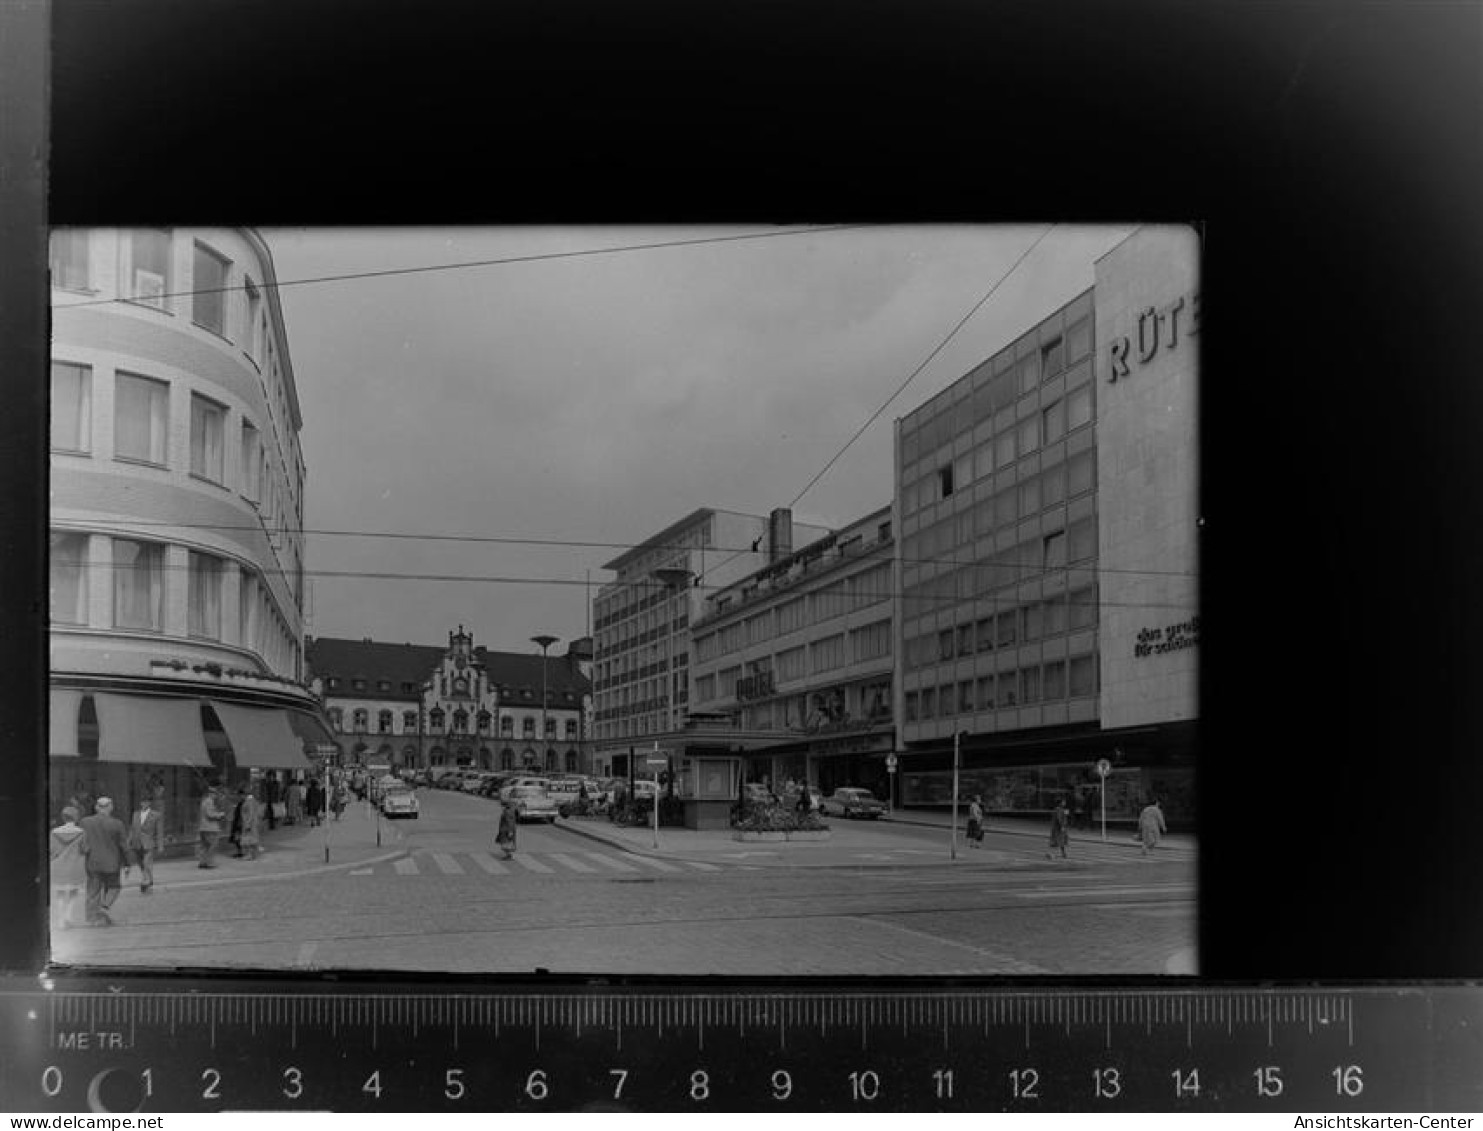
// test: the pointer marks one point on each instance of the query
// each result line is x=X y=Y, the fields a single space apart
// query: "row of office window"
x=1050 y=682
x=141 y=431
x=138 y=586
x=1025 y=624
x=1025 y=499
x=1036 y=557
x=869 y=642
x=847 y=595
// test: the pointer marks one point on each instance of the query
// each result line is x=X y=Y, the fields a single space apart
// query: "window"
x=141 y=412
x=1055 y=422
x=965 y=640
x=1005 y=508
x=1053 y=357
x=1004 y=449
x=944 y=481
x=408 y=687
x=383 y=685
x=965 y=695
x=68 y=259
x=1079 y=340
x=985 y=633
x=1083 y=676
x=435 y=719
x=71 y=407
x=205 y=596
x=1053 y=485
x=1081 y=472
x=383 y=722
x=484 y=719
x=208 y=429
x=507 y=727
x=550 y=728
x=945 y=644
x=1082 y=539
x=208 y=291
x=1055 y=616
x=138 y=585
x=1029 y=685
x=963 y=470
x=1009 y=689
x=1029 y=435
x=1055 y=549
x=790 y=664
x=250 y=338
x=1055 y=680
x=871 y=641
x=986 y=693
x=337 y=718
x=362 y=720
x=911 y=706
x=1079 y=407
x=1083 y=608
x=409 y=721
x=828 y=653
x=1030 y=496
x=147 y=277
x=929 y=702
x=358 y=684
x=1034 y=622
x=571 y=729
x=1029 y=372
x=69 y=578
x=1006 y=628
x=252 y=456
x=528 y=727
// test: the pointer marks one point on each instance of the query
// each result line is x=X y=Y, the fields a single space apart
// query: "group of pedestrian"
x=91 y=854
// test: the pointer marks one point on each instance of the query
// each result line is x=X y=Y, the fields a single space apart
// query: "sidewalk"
x=288 y=850
x=845 y=837
x=1122 y=835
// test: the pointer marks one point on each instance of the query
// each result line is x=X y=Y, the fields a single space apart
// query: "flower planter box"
x=808 y=834
x=754 y=837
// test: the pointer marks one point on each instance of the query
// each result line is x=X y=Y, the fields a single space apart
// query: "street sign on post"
x=1104 y=767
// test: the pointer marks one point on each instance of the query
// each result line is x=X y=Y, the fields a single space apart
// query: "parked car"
x=532 y=803
x=400 y=801
x=492 y=784
x=567 y=792
x=850 y=802
x=535 y=782
x=448 y=780
x=474 y=783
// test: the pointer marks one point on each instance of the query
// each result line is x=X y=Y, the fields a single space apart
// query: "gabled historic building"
x=415 y=706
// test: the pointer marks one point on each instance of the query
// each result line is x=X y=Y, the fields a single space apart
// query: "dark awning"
x=62 y=734
x=151 y=729
x=261 y=737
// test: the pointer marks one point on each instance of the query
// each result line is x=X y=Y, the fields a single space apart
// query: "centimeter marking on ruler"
x=613 y=1011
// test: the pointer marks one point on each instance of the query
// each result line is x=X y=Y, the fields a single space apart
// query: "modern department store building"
x=177 y=523
x=1047 y=557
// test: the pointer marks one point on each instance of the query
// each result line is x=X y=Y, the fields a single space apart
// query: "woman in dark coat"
x=508 y=827
x=1060 y=826
x=314 y=801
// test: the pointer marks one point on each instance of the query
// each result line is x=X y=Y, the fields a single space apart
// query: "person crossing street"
x=146 y=839
x=107 y=849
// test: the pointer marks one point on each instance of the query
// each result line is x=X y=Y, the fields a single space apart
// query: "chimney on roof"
x=779 y=534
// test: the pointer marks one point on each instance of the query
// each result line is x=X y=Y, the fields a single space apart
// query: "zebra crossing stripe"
x=489 y=864
x=657 y=865
x=572 y=863
x=406 y=866
x=608 y=861
x=448 y=865
x=532 y=865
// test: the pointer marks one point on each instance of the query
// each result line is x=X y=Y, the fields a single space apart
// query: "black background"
x=1330 y=152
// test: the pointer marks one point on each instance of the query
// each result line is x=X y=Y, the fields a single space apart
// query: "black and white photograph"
x=683 y=600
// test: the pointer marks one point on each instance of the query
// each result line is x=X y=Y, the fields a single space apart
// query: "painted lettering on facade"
x=1158 y=326
x=1169 y=638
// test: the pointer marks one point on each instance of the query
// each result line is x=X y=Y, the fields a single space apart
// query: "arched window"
x=486 y=759
x=383 y=722
x=528 y=759
x=571 y=761
x=484 y=719
x=362 y=720
x=550 y=759
x=435 y=718
x=409 y=755
x=507 y=759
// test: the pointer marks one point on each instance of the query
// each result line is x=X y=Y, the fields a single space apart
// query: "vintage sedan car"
x=523 y=780
x=532 y=803
x=852 y=803
x=400 y=801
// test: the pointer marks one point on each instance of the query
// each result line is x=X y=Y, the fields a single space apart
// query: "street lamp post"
x=545 y=642
x=957 y=740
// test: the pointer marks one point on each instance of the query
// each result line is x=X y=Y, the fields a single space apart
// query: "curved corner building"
x=177 y=516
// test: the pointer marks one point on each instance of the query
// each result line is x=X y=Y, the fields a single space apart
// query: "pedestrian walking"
x=1060 y=829
x=106 y=843
x=251 y=811
x=146 y=839
x=339 y=799
x=294 y=803
x=314 y=801
x=208 y=827
x=68 y=868
x=509 y=826
x=976 y=822
x=1151 y=826
x=272 y=804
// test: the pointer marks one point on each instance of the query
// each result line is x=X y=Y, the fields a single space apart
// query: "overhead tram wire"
x=504 y=261
x=570 y=543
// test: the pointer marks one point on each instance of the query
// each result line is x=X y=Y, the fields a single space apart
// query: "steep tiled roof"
x=374 y=661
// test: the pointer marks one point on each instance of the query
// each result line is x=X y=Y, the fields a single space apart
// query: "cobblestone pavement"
x=433 y=896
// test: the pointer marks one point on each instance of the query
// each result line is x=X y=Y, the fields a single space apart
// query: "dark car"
x=850 y=802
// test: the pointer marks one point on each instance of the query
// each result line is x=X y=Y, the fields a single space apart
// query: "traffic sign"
x=891 y=761
x=657 y=761
x=1104 y=767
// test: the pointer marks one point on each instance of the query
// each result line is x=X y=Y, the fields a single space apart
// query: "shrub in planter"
x=776 y=819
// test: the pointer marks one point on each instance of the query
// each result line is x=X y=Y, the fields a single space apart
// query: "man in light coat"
x=1151 y=826
x=107 y=847
x=146 y=838
x=208 y=828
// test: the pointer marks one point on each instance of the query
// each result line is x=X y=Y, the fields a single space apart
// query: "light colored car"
x=850 y=802
x=532 y=804
x=400 y=801
x=517 y=782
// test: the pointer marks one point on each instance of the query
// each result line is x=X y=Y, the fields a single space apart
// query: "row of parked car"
x=535 y=797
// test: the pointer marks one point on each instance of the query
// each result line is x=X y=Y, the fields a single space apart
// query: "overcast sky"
x=598 y=398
